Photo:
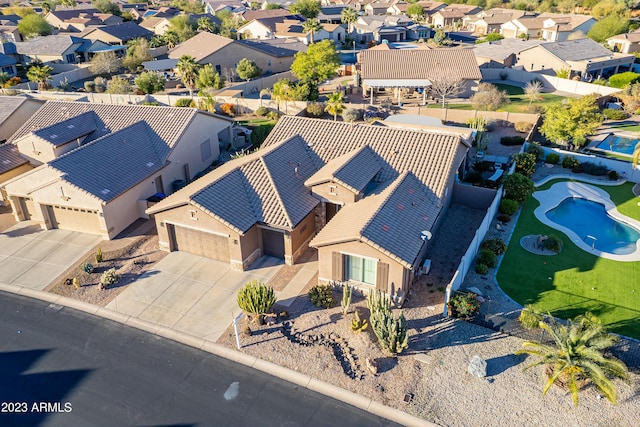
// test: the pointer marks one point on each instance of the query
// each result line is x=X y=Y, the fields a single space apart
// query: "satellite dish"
x=425 y=235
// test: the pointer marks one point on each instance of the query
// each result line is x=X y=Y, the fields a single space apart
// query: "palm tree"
x=577 y=357
x=335 y=105
x=349 y=16
x=205 y=24
x=312 y=26
x=187 y=69
x=41 y=75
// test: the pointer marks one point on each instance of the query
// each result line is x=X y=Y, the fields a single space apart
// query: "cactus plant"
x=87 y=267
x=321 y=296
x=108 y=278
x=346 y=297
x=391 y=331
x=98 y=256
x=76 y=283
x=377 y=301
x=256 y=298
x=358 y=324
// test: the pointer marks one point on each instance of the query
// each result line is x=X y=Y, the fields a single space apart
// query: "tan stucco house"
x=97 y=164
x=367 y=197
x=625 y=43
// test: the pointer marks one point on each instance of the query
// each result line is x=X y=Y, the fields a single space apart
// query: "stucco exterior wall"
x=301 y=236
x=340 y=196
x=538 y=60
x=4 y=177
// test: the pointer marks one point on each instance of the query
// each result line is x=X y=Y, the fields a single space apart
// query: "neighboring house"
x=14 y=111
x=266 y=28
x=249 y=15
x=378 y=7
x=159 y=26
x=118 y=34
x=10 y=33
x=213 y=6
x=61 y=49
x=453 y=15
x=392 y=28
x=271 y=56
x=80 y=19
x=419 y=31
x=561 y=27
x=416 y=68
x=8 y=65
x=99 y=163
x=487 y=22
x=502 y=53
x=586 y=59
x=529 y=27
x=335 y=32
x=368 y=204
x=332 y=14
x=625 y=43
x=429 y=7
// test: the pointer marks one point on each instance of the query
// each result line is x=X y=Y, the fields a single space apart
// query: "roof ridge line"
x=277 y=193
x=390 y=190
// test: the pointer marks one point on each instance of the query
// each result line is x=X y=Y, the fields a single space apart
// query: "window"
x=360 y=269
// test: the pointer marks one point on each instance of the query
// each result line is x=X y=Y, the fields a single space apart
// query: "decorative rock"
x=372 y=365
x=477 y=367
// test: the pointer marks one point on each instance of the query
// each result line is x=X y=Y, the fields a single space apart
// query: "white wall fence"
x=623 y=168
x=469 y=257
x=80 y=73
x=562 y=85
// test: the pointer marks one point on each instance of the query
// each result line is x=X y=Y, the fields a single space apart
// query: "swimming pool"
x=618 y=144
x=590 y=221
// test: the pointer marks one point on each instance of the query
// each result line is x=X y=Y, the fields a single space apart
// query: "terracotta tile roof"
x=391 y=222
x=419 y=64
x=10 y=158
x=353 y=170
x=200 y=46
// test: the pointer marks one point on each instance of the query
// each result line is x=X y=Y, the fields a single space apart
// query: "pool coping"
x=560 y=191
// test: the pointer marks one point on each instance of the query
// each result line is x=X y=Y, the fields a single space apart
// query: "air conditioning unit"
x=426 y=267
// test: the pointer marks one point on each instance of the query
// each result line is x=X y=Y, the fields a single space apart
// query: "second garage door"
x=273 y=243
x=66 y=218
x=200 y=243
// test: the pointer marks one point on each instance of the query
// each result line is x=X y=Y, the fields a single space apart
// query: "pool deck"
x=558 y=192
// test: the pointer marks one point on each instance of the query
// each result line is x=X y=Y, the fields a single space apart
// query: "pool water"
x=590 y=221
x=618 y=144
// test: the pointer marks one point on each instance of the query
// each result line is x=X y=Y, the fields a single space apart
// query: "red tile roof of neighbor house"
x=395 y=64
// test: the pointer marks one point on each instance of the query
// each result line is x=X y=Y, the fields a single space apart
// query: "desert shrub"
x=535 y=150
x=256 y=298
x=228 y=108
x=185 y=102
x=517 y=187
x=87 y=267
x=464 y=304
x=552 y=243
x=523 y=127
x=108 y=278
x=529 y=318
x=273 y=115
x=504 y=218
x=262 y=111
x=553 y=158
x=321 y=296
x=569 y=162
x=512 y=140
x=508 y=206
x=497 y=246
x=352 y=115
x=488 y=97
x=613 y=114
x=12 y=82
x=525 y=163
x=315 y=109
x=90 y=86
x=487 y=257
x=482 y=268
x=613 y=175
x=594 y=169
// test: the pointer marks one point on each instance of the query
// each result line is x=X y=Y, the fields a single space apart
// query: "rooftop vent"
x=54 y=136
x=150 y=164
x=70 y=127
x=386 y=228
x=105 y=191
x=425 y=235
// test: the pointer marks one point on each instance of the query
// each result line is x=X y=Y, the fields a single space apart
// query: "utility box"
x=426 y=267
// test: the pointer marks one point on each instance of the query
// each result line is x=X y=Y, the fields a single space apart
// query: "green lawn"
x=518 y=101
x=627 y=127
x=574 y=281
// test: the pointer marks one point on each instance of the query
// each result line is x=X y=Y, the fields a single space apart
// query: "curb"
x=313 y=384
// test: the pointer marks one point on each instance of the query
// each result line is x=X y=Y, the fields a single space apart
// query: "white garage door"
x=199 y=242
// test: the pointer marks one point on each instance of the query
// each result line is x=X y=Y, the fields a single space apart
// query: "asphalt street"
x=62 y=367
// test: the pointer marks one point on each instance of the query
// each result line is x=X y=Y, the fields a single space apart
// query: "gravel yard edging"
x=314 y=384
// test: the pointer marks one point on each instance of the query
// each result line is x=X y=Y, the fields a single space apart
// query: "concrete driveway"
x=191 y=294
x=32 y=258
